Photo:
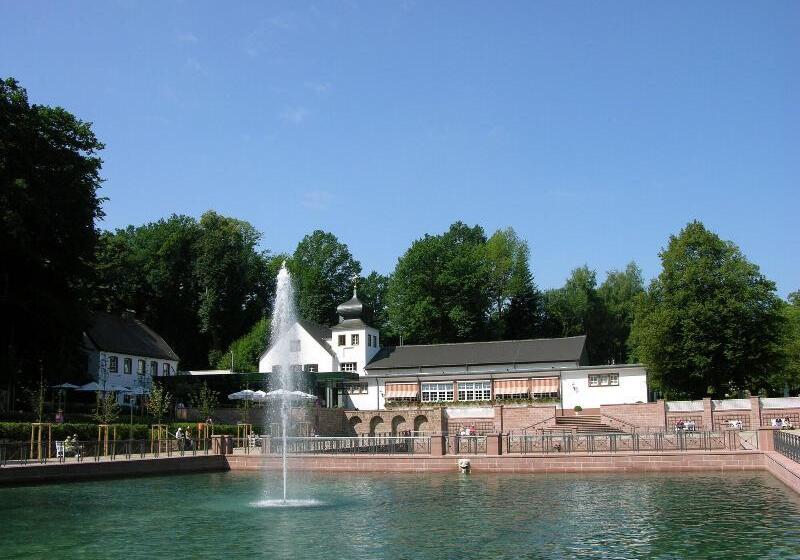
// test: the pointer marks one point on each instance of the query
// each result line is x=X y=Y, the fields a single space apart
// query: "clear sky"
x=595 y=129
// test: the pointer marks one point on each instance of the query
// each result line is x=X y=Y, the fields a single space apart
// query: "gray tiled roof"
x=474 y=353
x=127 y=335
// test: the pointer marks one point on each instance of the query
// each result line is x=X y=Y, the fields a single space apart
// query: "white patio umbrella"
x=245 y=394
x=118 y=389
x=66 y=386
x=259 y=396
x=289 y=395
x=91 y=386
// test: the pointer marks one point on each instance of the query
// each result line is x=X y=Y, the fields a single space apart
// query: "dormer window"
x=294 y=346
x=354 y=340
x=342 y=340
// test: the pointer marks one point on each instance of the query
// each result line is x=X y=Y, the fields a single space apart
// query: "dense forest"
x=709 y=324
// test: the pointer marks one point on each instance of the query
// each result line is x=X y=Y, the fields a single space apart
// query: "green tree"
x=158 y=402
x=787 y=378
x=200 y=284
x=106 y=410
x=513 y=297
x=234 y=284
x=49 y=178
x=372 y=292
x=247 y=349
x=618 y=294
x=710 y=324
x=204 y=400
x=322 y=269
x=438 y=291
x=576 y=309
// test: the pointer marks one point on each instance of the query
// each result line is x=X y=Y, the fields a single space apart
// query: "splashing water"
x=284 y=316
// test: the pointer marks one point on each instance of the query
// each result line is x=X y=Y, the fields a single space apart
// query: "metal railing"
x=375 y=445
x=471 y=445
x=23 y=453
x=787 y=444
x=636 y=442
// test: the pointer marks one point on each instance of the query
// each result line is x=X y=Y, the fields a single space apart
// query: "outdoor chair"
x=59 y=450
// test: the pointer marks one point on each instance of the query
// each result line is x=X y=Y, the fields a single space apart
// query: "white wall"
x=371 y=400
x=125 y=379
x=311 y=352
x=360 y=354
x=575 y=388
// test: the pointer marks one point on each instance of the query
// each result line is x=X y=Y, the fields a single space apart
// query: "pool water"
x=354 y=516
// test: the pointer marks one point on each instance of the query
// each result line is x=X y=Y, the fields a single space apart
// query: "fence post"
x=218 y=446
x=755 y=413
x=766 y=441
x=438 y=445
x=494 y=444
x=708 y=416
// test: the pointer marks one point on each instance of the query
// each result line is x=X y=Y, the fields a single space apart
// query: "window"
x=165 y=369
x=276 y=369
x=342 y=340
x=294 y=346
x=113 y=364
x=297 y=368
x=604 y=380
x=154 y=368
x=354 y=340
x=349 y=366
x=127 y=365
x=435 y=392
x=474 y=390
x=311 y=368
x=370 y=340
x=140 y=367
x=354 y=388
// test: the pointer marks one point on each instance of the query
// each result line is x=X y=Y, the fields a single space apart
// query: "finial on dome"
x=354 y=278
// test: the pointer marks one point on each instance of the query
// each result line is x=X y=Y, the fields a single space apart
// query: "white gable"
x=311 y=352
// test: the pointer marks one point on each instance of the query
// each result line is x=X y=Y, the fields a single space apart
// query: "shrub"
x=577 y=408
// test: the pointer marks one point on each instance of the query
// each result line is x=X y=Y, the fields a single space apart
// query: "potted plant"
x=577 y=410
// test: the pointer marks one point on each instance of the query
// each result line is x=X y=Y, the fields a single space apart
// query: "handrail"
x=633 y=426
x=526 y=428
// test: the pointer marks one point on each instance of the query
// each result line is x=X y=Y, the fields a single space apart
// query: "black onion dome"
x=351 y=309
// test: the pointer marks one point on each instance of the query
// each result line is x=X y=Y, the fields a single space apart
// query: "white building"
x=124 y=352
x=353 y=370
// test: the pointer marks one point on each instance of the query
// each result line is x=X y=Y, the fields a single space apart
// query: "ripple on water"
x=287 y=503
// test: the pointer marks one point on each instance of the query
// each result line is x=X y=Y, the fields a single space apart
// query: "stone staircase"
x=584 y=424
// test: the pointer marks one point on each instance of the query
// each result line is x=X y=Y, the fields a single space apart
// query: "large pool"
x=743 y=515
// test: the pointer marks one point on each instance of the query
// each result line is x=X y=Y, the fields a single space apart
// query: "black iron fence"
x=24 y=453
x=636 y=443
x=334 y=445
x=787 y=444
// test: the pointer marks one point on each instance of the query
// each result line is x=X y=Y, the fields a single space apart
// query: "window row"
x=443 y=391
x=354 y=340
x=604 y=380
x=141 y=366
x=298 y=368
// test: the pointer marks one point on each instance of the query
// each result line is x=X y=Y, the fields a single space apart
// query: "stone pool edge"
x=782 y=468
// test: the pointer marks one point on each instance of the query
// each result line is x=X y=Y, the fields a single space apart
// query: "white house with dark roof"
x=124 y=352
x=356 y=372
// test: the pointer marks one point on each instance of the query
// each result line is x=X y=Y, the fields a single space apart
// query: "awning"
x=511 y=387
x=401 y=391
x=545 y=385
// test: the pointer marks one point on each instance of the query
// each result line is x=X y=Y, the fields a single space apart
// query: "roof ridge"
x=490 y=341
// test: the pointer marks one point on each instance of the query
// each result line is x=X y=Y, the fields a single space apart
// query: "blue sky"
x=595 y=129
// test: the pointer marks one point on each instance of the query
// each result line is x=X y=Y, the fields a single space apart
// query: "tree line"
x=709 y=324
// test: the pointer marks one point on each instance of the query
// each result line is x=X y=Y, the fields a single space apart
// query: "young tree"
x=710 y=324
x=323 y=270
x=49 y=178
x=204 y=400
x=106 y=410
x=438 y=290
x=158 y=402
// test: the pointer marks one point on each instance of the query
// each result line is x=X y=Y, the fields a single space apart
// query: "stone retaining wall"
x=720 y=461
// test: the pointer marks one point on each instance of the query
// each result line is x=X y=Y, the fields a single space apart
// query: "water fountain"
x=284 y=317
